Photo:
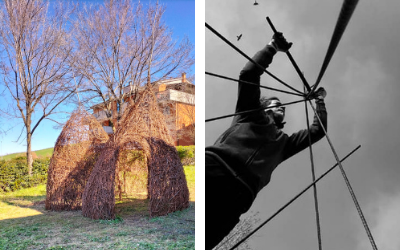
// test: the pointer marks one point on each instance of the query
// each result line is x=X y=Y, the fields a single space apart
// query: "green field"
x=47 y=152
x=25 y=224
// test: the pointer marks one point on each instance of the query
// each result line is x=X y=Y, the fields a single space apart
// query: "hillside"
x=47 y=152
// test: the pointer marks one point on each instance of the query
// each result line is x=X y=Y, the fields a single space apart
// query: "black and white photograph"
x=281 y=76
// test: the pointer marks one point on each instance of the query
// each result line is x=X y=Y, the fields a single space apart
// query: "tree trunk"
x=29 y=151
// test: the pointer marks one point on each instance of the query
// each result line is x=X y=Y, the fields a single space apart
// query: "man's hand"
x=320 y=94
x=279 y=42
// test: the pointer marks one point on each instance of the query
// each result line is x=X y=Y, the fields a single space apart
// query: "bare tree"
x=116 y=53
x=35 y=67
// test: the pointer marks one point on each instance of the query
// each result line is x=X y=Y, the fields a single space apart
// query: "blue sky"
x=179 y=16
x=363 y=88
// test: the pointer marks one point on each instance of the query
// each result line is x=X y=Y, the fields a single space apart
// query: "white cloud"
x=385 y=215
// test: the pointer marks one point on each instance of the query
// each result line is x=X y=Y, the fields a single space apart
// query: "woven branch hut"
x=141 y=147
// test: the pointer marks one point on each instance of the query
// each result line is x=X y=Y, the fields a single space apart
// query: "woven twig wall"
x=98 y=200
x=139 y=121
x=167 y=182
x=142 y=120
x=73 y=158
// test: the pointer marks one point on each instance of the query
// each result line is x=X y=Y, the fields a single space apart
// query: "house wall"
x=184 y=118
x=185 y=115
x=162 y=87
x=179 y=116
x=184 y=140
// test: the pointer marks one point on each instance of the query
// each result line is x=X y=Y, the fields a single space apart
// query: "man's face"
x=277 y=109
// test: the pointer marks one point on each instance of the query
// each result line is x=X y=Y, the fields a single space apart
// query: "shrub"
x=186 y=154
x=14 y=173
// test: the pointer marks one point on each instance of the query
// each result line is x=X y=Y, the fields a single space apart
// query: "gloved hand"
x=319 y=94
x=279 y=42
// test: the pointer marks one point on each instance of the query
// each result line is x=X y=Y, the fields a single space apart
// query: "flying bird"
x=239 y=36
x=255 y=3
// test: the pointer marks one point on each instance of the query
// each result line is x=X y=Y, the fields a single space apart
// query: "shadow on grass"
x=127 y=207
x=25 y=201
x=132 y=206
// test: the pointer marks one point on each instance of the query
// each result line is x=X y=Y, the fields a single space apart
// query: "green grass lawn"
x=25 y=224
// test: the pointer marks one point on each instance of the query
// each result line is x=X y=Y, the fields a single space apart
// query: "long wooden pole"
x=303 y=79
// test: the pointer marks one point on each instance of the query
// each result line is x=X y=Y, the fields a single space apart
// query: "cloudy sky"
x=363 y=85
x=179 y=16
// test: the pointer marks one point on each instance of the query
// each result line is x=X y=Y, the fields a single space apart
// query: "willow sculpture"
x=142 y=129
